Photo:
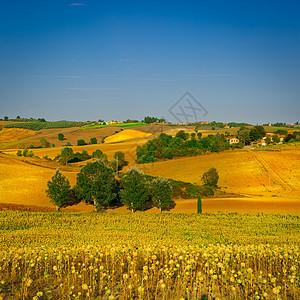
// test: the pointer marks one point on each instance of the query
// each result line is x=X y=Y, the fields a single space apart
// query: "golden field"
x=260 y=180
x=234 y=250
x=126 y=135
x=148 y=256
x=14 y=134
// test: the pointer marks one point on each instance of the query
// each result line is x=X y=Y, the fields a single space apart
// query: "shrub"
x=182 y=134
x=25 y=152
x=275 y=138
x=61 y=137
x=93 y=141
x=30 y=146
x=30 y=153
x=290 y=137
x=19 y=152
x=211 y=177
x=114 y=164
x=81 y=142
x=97 y=154
x=45 y=143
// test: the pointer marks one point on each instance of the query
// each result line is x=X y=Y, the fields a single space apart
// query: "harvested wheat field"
x=266 y=181
x=128 y=134
x=23 y=184
x=241 y=171
x=14 y=134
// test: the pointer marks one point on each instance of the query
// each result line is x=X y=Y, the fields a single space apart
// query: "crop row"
x=151 y=272
x=36 y=126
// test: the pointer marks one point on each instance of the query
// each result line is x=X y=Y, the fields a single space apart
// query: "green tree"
x=113 y=163
x=135 y=191
x=275 y=138
x=93 y=141
x=199 y=205
x=197 y=127
x=193 y=135
x=96 y=184
x=59 y=190
x=81 y=142
x=6 y=118
x=199 y=135
x=30 y=153
x=19 y=152
x=65 y=155
x=30 y=146
x=25 y=152
x=120 y=157
x=244 y=136
x=182 y=134
x=99 y=155
x=161 y=193
x=211 y=177
x=45 y=143
x=61 y=137
x=257 y=132
x=261 y=130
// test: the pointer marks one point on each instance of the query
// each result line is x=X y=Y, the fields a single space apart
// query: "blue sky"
x=91 y=60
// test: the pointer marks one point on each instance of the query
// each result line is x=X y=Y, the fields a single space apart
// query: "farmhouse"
x=234 y=141
x=258 y=143
x=114 y=122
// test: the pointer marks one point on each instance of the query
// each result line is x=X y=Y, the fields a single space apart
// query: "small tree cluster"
x=137 y=191
x=25 y=153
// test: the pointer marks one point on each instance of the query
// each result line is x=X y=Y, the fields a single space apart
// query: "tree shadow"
x=73 y=200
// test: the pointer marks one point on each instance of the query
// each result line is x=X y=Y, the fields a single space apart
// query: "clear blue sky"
x=87 y=60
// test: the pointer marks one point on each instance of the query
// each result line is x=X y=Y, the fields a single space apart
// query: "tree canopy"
x=211 y=177
x=96 y=184
x=59 y=190
x=161 y=193
x=135 y=192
